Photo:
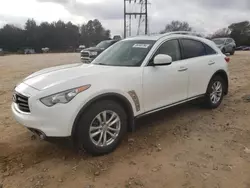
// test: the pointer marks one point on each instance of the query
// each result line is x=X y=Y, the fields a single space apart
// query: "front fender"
x=104 y=94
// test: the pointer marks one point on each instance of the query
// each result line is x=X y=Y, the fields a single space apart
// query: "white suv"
x=95 y=104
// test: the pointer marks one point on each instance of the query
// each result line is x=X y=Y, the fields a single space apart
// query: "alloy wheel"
x=105 y=128
x=216 y=93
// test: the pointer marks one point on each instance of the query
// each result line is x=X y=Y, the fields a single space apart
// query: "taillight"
x=227 y=59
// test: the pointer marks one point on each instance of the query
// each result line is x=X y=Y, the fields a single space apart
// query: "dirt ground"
x=183 y=147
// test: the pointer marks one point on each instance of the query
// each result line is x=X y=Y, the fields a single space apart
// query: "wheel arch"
x=123 y=101
x=224 y=75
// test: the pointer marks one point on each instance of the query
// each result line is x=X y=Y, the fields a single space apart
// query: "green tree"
x=31 y=34
x=58 y=36
x=93 y=32
x=240 y=32
x=12 y=38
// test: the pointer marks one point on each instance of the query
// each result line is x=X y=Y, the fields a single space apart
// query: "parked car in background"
x=29 y=51
x=89 y=54
x=226 y=45
x=80 y=48
x=117 y=37
x=95 y=104
x=45 y=50
x=1 y=52
x=243 y=48
x=246 y=48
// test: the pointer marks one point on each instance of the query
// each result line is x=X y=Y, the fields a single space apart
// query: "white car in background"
x=95 y=104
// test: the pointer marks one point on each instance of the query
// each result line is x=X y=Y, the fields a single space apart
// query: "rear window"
x=230 y=40
x=192 y=48
x=219 y=41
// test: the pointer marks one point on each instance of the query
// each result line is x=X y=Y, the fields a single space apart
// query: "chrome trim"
x=168 y=106
x=87 y=52
x=15 y=106
x=86 y=60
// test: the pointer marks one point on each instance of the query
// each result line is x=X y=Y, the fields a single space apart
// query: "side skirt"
x=168 y=106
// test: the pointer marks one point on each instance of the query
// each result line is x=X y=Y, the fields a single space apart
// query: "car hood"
x=93 y=49
x=53 y=76
x=219 y=45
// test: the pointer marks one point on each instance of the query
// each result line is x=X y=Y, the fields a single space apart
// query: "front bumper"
x=48 y=125
x=56 y=121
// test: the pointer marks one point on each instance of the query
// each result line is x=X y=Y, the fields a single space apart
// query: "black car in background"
x=89 y=54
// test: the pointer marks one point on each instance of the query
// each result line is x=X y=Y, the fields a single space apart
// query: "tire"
x=223 y=51
x=90 y=119
x=210 y=101
x=232 y=52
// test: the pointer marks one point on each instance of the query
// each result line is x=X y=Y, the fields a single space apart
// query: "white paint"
x=155 y=86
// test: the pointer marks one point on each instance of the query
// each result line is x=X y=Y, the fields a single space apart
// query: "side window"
x=170 y=48
x=228 y=41
x=192 y=48
x=209 y=50
x=231 y=41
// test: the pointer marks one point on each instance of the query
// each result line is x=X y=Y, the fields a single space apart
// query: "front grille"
x=87 y=60
x=22 y=102
x=85 y=54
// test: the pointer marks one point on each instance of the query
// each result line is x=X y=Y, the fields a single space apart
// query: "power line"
x=142 y=14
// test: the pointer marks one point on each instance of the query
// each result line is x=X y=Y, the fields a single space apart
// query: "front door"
x=167 y=84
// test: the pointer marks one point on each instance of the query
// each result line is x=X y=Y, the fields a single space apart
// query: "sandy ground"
x=183 y=147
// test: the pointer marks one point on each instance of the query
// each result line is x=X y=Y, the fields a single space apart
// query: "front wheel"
x=101 y=127
x=232 y=52
x=223 y=51
x=215 y=92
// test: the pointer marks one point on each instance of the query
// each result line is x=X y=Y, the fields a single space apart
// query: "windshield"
x=104 y=44
x=125 y=53
x=219 y=41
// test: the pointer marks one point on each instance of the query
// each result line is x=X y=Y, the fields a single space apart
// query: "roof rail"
x=181 y=33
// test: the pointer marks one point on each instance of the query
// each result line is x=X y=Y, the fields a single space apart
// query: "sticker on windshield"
x=141 y=45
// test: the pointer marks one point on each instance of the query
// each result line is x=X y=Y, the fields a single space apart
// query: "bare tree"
x=224 y=32
x=177 y=26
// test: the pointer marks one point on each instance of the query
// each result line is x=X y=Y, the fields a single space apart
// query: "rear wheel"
x=101 y=127
x=215 y=92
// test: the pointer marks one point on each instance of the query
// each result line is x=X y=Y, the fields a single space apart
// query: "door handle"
x=211 y=63
x=182 y=69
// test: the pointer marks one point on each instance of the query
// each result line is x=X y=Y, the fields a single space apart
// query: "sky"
x=205 y=16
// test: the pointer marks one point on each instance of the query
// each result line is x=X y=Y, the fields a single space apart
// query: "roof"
x=158 y=36
x=223 y=38
x=179 y=34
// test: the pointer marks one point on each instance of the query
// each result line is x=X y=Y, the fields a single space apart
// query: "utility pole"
x=142 y=13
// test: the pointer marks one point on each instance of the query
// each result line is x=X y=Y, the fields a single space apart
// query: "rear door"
x=201 y=63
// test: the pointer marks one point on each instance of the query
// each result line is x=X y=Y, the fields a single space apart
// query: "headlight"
x=93 y=53
x=63 y=97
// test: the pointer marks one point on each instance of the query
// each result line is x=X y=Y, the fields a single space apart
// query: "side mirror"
x=162 y=59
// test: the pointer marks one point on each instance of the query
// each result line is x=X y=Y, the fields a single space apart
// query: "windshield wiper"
x=101 y=64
